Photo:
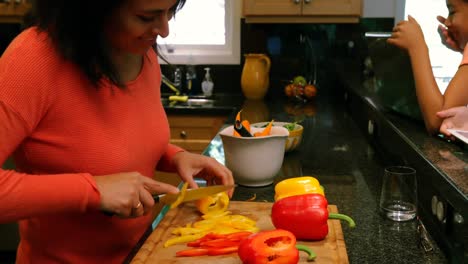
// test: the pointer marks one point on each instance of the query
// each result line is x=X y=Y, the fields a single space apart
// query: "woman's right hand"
x=129 y=194
x=445 y=35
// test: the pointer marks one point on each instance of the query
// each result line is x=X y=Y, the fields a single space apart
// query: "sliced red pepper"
x=272 y=246
x=220 y=242
x=207 y=237
x=192 y=252
x=214 y=244
x=222 y=251
x=238 y=235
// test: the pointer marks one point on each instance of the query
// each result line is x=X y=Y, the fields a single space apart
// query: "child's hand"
x=407 y=35
x=445 y=35
x=455 y=117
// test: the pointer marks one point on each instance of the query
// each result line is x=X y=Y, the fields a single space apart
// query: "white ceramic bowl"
x=254 y=161
x=295 y=135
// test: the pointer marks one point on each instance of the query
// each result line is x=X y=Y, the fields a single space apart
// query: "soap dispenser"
x=207 y=84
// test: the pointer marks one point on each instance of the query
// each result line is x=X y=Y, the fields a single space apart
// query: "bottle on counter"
x=178 y=78
x=190 y=77
x=207 y=84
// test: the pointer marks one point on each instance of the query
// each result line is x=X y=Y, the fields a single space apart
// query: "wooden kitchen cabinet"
x=13 y=11
x=302 y=11
x=194 y=133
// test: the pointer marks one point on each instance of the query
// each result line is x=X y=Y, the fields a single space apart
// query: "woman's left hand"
x=190 y=166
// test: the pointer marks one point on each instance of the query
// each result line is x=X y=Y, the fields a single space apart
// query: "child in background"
x=409 y=36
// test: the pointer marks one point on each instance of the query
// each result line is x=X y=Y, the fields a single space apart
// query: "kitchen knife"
x=191 y=194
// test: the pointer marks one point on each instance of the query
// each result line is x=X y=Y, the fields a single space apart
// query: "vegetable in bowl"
x=295 y=133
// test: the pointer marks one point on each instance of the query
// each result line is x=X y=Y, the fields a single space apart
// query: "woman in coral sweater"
x=80 y=113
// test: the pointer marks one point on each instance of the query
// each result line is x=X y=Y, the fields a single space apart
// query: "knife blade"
x=191 y=194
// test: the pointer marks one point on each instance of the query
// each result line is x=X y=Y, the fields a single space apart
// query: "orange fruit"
x=289 y=90
x=310 y=91
x=299 y=90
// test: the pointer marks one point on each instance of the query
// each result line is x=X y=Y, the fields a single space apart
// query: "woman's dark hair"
x=76 y=27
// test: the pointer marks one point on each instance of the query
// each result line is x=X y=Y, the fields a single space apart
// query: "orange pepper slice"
x=266 y=131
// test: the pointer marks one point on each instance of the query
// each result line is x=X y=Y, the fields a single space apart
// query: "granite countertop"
x=335 y=151
x=450 y=158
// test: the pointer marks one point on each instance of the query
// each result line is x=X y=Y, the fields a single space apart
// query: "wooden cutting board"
x=330 y=250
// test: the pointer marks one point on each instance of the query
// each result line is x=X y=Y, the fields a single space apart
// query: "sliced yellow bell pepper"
x=183 y=239
x=213 y=204
x=297 y=186
x=180 y=197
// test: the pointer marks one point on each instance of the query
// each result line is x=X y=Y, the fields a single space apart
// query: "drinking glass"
x=398 y=199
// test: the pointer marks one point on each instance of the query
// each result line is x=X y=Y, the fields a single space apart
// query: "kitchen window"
x=204 y=32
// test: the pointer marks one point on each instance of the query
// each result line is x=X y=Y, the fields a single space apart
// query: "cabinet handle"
x=307 y=1
x=183 y=134
x=297 y=1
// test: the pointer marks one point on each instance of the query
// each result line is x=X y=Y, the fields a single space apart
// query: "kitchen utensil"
x=191 y=194
x=398 y=200
x=331 y=250
x=254 y=161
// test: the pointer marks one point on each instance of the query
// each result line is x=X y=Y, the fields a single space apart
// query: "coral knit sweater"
x=62 y=133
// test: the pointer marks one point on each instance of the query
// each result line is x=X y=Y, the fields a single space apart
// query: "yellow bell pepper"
x=213 y=204
x=180 y=197
x=297 y=186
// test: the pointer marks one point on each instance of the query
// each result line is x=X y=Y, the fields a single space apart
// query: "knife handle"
x=156 y=198
x=108 y=213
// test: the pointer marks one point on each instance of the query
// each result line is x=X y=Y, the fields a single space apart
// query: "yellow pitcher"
x=255 y=76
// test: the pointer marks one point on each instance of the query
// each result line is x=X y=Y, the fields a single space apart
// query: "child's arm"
x=408 y=35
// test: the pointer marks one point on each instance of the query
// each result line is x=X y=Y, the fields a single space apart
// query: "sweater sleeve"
x=165 y=163
x=24 y=195
x=23 y=103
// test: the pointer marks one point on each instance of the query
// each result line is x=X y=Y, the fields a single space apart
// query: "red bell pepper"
x=305 y=216
x=271 y=246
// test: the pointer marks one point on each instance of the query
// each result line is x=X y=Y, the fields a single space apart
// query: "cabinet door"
x=331 y=7
x=272 y=7
x=13 y=11
x=6 y=8
x=194 y=133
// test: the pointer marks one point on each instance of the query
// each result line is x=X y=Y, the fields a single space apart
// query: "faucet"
x=170 y=84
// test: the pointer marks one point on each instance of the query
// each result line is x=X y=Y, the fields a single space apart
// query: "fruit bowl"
x=300 y=90
x=295 y=133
